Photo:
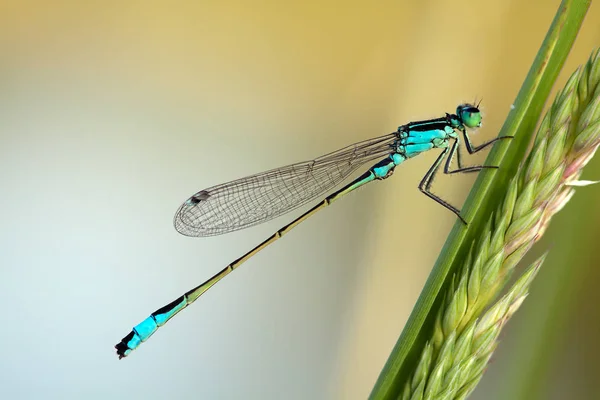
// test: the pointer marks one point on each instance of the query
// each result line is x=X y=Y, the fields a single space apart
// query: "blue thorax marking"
x=416 y=138
x=419 y=137
x=412 y=150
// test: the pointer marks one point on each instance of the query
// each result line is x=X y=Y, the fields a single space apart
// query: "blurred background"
x=112 y=113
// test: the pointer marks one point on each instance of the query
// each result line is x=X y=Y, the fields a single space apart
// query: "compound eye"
x=469 y=115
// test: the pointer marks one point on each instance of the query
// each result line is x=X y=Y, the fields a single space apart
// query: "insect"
x=258 y=198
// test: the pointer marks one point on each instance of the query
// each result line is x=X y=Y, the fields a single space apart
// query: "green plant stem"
x=567 y=139
x=520 y=123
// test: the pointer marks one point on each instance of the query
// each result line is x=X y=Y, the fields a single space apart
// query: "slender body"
x=258 y=198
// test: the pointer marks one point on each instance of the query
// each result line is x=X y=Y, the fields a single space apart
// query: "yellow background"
x=112 y=113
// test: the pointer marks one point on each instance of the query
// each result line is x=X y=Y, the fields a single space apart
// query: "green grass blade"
x=520 y=123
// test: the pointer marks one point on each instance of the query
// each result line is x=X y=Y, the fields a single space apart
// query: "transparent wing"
x=258 y=198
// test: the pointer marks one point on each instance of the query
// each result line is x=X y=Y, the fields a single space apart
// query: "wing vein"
x=261 y=197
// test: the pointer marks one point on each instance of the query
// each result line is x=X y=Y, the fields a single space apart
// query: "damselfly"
x=258 y=198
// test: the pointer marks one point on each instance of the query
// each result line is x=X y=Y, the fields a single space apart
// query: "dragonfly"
x=258 y=198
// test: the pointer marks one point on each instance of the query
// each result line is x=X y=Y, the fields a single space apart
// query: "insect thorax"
x=416 y=138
